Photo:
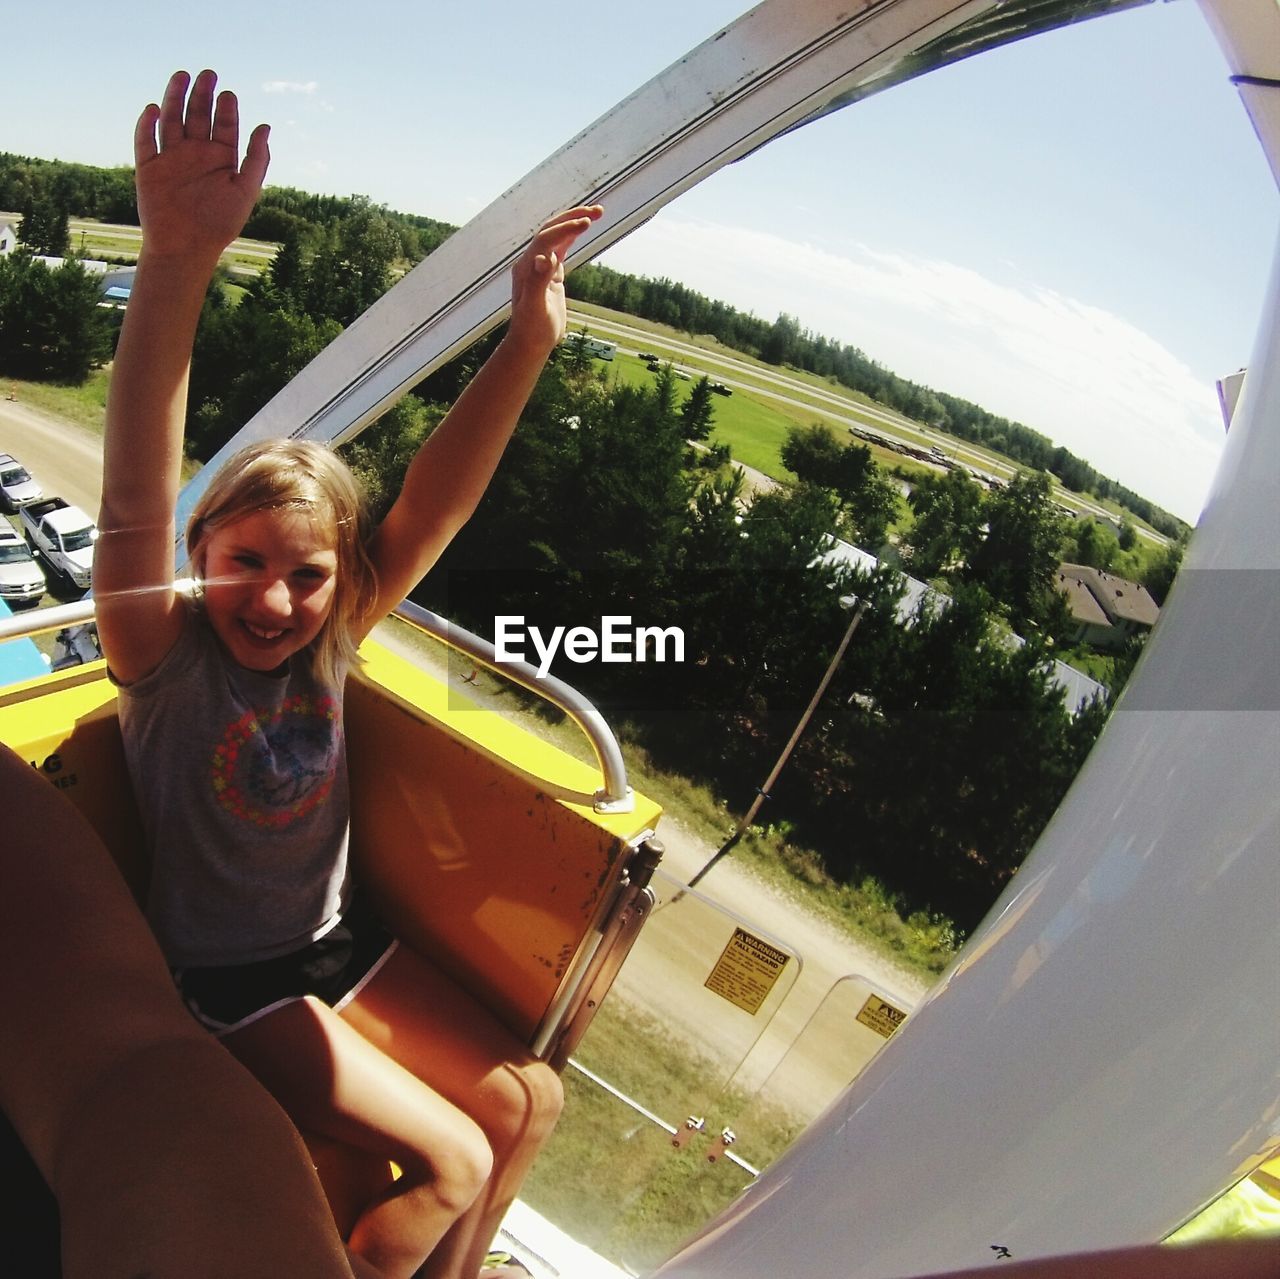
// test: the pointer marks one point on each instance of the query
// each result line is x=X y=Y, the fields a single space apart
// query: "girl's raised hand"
x=194 y=195
x=538 y=315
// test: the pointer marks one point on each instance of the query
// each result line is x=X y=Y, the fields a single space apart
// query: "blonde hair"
x=299 y=475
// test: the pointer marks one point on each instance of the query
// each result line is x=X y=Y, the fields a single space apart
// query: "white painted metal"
x=770 y=69
x=1104 y=1058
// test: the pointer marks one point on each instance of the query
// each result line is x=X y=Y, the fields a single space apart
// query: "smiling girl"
x=231 y=711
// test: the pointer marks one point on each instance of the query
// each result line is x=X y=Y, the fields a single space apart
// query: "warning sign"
x=881 y=1016
x=746 y=971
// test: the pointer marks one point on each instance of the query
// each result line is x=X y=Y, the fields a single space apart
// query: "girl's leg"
x=332 y=1081
x=414 y=1013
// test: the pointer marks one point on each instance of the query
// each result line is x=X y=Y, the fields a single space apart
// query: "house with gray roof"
x=1108 y=610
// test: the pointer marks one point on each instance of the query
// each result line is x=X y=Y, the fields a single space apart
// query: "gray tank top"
x=241 y=780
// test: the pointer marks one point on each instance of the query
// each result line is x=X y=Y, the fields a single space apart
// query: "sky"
x=1074 y=231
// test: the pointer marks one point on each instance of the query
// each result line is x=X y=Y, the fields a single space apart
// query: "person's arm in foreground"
x=167 y=1159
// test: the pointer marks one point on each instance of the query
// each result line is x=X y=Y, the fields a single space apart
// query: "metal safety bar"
x=615 y=796
x=39 y=621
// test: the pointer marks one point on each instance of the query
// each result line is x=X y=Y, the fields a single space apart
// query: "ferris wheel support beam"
x=773 y=68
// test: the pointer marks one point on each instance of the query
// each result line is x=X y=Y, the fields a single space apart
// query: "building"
x=8 y=237
x=1108 y=610
x=115 y=281
x=1078 y=689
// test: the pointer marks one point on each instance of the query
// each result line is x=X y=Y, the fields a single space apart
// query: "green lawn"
x=84 y=405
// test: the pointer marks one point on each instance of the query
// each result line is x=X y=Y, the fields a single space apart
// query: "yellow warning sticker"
x=881 y=1016
x=746 y=971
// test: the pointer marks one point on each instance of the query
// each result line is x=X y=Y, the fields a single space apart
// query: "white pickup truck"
x=64 y=536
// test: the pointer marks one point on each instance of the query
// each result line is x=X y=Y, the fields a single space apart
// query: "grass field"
x=672 y=343
x=612 y=1178
x=85 y=405
x=109 y=242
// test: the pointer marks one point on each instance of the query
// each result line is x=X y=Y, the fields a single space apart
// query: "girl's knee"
x=548 y=1095
x=525 y=1103
x=456 y=1166
x=460 y=1173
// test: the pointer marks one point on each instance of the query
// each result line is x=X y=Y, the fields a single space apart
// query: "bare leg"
x=412 y=1012
x=332 y=1081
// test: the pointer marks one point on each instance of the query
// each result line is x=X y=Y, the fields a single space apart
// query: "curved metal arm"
x=616 y=796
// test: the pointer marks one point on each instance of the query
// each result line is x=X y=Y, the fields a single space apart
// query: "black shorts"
x=334 y=968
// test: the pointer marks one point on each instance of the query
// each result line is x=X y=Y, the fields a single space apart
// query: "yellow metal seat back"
x=456 y=824
x=459 y=831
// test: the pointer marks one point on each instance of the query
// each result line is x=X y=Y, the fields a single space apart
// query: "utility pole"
x=763 y=792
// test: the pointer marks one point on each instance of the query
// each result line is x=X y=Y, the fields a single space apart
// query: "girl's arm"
x=193 y=200
x=448 y=477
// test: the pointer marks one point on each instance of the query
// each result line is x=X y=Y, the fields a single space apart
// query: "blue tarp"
x=19 y=658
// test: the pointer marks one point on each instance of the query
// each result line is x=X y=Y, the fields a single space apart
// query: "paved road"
x=117 y=231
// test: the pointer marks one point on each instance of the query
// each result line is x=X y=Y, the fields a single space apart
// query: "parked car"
x=17 y=488
x=21 y=578
x=64 y=536
x=720 y=389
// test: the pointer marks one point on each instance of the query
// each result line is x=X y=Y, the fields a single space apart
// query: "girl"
x=231 y=715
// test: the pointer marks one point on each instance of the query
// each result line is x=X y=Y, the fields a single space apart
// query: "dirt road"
x=66 y=460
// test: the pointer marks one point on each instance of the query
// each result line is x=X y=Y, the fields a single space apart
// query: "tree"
x=782 y=340
x=1016 y=558
x=698 y=411
x=871 y=507
x=51 y=327
x=868 y=500
x=947 y=511
x=812 y=455
x=583 y=517
x=287 y=272
x=243 y=355
x=45 y=227
x=381 y=454
x=949 y=752
x=1158 y=578
x=1093 y=544
x=352 y=269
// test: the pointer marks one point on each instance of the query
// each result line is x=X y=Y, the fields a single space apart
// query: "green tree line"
x=299 y=218
x=784 y=341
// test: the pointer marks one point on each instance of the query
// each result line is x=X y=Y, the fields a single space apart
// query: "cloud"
x=1081 y=375
x=290 y=86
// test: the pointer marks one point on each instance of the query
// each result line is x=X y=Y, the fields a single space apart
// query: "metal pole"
x=763 y=792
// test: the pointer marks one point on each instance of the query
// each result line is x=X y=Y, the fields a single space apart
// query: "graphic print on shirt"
x=274 y=765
